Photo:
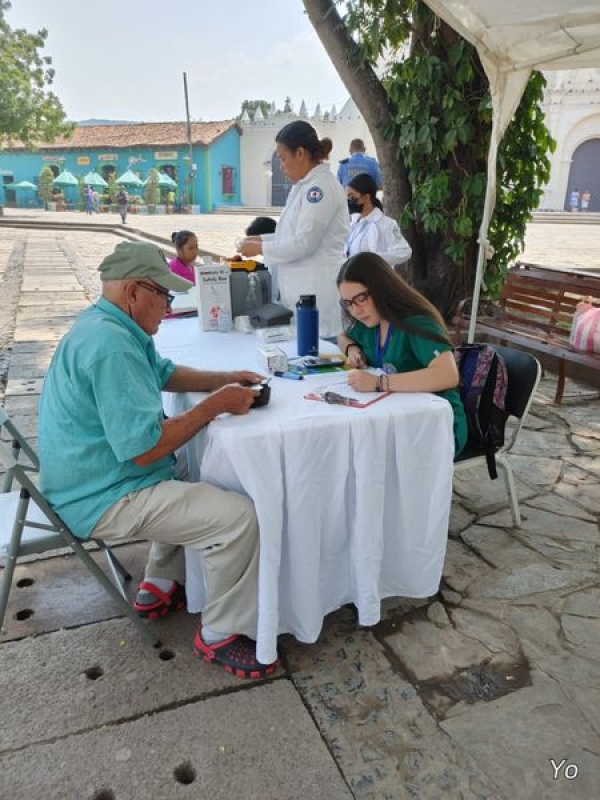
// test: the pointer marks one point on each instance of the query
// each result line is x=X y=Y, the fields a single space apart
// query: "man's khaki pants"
x=222 y=525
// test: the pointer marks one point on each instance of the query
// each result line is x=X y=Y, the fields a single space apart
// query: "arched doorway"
x=280 y=185
x=584 y=174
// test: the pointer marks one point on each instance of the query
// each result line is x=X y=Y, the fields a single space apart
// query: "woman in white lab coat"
x=307 y=248
x=371 y=231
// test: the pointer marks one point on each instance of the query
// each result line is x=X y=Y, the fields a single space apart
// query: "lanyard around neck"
x=379 y=350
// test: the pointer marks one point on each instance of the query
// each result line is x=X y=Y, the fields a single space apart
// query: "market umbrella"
x=129 y=178
x=164 y=181
x=65 y=178
x=94 y=180
x=20 y=185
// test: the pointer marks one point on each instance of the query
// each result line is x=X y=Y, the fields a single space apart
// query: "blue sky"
x=124 y=59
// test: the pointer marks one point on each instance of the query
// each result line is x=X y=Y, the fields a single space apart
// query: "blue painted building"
x=207 y=173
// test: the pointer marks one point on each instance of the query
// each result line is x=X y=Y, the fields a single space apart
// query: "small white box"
x=272 y=358
x=212 y=281
x=277 y=333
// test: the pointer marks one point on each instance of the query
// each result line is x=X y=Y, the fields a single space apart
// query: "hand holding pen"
x=355 y=358
x=362 y=381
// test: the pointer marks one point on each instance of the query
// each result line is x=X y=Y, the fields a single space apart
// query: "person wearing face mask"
x=307 y=247
x=371 y=231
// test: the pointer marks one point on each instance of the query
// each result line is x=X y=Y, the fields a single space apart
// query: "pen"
x=333 y=397
x=294 y=376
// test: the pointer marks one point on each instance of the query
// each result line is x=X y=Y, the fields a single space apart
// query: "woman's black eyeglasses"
x=166 y=296
x=358 y=300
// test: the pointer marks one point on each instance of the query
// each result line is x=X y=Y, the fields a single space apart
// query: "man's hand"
x=245 y=377
x=232 y=398
x=362 y=381
x=250 y=248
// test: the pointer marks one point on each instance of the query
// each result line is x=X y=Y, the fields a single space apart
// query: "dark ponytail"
x=302 y=134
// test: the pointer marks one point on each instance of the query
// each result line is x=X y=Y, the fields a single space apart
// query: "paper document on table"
x=338 y=392
x=185 y=303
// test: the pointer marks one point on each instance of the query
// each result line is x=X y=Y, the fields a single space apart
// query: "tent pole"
x=488 y=207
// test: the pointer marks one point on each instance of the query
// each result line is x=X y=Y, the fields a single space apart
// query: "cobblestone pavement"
x=491 y=689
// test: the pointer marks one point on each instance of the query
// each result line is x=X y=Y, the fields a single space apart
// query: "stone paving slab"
x=517 y=736
x=50 y=593
x=24 y=386
x=386 y=742
x=259 y=743
x=61 y=301
x=74 y=680
x=41 y=331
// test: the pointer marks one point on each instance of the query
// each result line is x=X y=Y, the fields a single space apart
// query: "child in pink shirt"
x=186 y=245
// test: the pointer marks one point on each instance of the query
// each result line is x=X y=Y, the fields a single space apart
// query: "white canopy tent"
x=514 y=37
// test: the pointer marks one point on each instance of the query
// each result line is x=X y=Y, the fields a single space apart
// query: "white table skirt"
x=353 y=504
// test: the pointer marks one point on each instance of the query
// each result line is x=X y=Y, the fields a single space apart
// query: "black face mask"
x=354 y=207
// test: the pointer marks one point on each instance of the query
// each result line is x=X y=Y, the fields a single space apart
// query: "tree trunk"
x=430 y=269
x=368 y=93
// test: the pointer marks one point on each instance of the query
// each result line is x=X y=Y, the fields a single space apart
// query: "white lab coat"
x=307 y=248
x=379 y=234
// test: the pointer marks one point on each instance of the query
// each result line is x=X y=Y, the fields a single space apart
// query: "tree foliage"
x=431 y=127
x=45 y=185
x=251 y=105
x=152 y=189
x=29 y=112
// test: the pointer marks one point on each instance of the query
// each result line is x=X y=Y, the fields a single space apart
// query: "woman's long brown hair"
x=394 y=298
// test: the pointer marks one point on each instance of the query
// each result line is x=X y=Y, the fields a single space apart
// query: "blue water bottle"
x=307 y=325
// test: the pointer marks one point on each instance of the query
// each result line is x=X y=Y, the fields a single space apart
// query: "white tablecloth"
x=353 y=504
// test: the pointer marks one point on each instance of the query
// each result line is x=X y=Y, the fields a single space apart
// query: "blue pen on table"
x=294 y=376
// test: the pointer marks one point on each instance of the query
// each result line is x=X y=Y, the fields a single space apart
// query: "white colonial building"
x=262 y=182
x=572 y=107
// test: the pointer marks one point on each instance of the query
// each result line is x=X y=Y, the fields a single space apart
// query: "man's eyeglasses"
x=358 y=300
x=166 y=296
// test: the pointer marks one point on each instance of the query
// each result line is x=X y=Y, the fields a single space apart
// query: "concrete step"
x=567 y=217
x=251 y=211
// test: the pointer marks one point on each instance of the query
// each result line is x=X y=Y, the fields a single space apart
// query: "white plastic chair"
x=28 y=525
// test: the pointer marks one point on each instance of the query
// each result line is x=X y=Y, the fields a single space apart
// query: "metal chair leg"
x=119 y=574
x=12 y=554
x=112 y=589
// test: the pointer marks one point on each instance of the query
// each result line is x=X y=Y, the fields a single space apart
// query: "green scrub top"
x=406 y=352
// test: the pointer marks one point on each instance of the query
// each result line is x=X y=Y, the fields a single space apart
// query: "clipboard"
x=339 y=393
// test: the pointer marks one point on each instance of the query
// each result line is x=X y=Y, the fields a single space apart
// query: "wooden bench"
x=535 y=311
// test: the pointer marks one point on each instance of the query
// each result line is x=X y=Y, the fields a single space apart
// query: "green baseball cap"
x=141 y=260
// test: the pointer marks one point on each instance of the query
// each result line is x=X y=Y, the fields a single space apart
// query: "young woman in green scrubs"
x=391 y=326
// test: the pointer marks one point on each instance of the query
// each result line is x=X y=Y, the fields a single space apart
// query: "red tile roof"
x=138 y=134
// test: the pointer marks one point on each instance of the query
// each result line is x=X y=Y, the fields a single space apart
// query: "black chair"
x=28 y=525
x=524 y=372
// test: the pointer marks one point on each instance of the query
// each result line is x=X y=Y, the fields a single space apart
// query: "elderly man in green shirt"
x=107 y=455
